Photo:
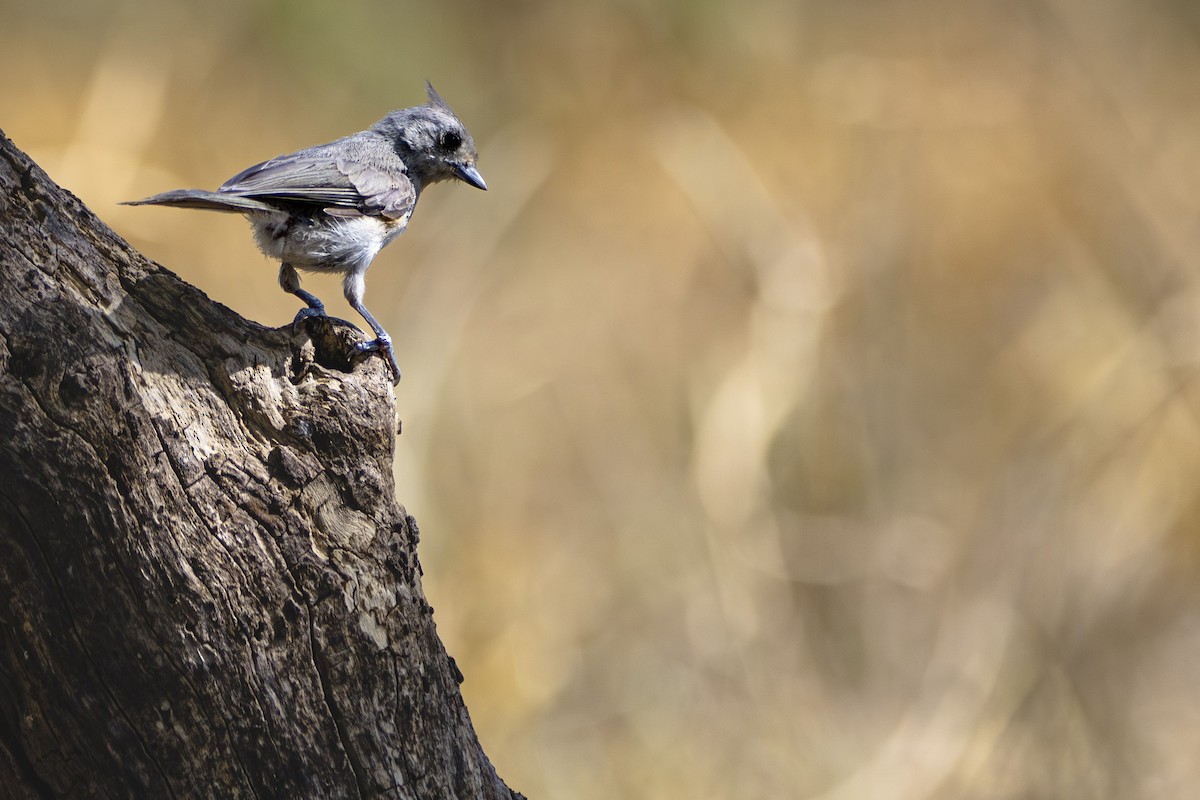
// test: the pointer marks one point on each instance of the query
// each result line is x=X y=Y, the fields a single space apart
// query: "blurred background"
x=808 y=410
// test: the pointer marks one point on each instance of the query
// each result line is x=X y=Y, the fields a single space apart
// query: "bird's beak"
x=468 y=174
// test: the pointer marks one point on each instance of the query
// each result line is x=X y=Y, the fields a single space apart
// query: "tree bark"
x=207 y=587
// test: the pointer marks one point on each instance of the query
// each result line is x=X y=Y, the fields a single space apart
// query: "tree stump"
x=207 y=587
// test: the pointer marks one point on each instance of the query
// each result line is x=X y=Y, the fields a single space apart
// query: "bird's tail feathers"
x=199 y=198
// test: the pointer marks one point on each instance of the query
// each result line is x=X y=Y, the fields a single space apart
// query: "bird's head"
x=433 y=143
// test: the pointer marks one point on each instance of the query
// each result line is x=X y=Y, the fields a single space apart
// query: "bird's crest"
x=435 y=99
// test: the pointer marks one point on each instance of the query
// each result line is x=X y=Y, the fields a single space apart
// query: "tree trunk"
x=207 y=588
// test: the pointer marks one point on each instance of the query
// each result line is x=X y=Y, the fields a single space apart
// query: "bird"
x=332 y=207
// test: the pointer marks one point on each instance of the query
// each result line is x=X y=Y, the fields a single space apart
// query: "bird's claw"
x=382 y=345
x=305 y=313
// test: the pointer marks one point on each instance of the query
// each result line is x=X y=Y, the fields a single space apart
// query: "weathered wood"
x=207 y=588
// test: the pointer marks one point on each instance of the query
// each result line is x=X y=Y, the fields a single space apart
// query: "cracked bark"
x=207 y=588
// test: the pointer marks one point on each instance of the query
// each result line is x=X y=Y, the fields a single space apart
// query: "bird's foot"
x=317 y=310
x=384 y=345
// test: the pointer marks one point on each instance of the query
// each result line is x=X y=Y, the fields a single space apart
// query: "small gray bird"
x=332 y=207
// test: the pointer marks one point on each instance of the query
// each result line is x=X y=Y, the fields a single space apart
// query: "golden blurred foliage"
x=809 y=409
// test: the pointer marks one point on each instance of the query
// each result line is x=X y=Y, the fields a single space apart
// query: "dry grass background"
x=810 y=408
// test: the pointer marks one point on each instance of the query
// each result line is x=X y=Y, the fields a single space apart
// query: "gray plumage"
x=332 y=207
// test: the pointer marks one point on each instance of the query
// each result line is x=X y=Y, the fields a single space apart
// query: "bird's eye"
x=451 y=140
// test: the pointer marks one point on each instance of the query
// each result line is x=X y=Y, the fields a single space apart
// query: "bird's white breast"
x=324 y=243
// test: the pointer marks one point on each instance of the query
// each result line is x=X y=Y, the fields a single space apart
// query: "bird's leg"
x=354 y=285
x=289 y=279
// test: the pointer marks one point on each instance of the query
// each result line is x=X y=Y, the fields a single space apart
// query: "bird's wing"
x=343 y=183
